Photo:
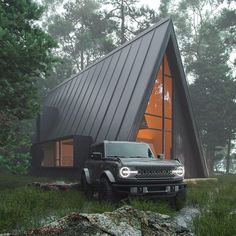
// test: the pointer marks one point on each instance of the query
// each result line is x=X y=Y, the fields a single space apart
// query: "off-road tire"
x=106 y=192
x=178 y=202
x=86 y=187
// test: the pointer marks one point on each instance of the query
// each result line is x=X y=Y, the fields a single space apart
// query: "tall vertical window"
x=156 y=128
x=58 y=154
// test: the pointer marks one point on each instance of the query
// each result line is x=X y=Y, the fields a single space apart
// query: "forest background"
x=45 y=42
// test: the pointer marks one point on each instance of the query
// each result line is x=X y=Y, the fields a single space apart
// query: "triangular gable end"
x=167 y=122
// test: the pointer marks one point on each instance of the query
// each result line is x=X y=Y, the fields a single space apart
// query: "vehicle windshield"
x=124 y=150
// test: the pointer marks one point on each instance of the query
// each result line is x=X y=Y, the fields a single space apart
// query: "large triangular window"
x=156 y=127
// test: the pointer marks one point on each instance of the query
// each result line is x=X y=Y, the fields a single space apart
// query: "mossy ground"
x=24 y=207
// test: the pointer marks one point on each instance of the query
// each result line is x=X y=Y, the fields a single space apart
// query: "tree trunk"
x=122 y=22
x=210 y=159
x=228 y=154
x=82 y=50
x=82 y=59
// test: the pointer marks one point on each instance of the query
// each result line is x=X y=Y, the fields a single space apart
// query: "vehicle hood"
x=148 y=162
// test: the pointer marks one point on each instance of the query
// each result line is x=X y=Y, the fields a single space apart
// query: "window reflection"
x=156 y=128
x=57 y=154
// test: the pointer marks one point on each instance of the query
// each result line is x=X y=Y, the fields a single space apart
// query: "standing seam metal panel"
x=65 y=107
x=75 y=86
x=133 y=76
x=110 y=90
x=143 y=81
x=71 y=110
x=89 y=94
x=118 y=90
x=84 y=92
x=56 y=103
x=48 y=99
x=105 y=100
x=67 y=99
x=59 y=105
x=93 y=97
x=97 y=104
x=55 y=97
x=78 y=101
x=61 y=95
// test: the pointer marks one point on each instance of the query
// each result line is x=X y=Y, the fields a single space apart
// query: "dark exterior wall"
x=185 y=135
x=183 y=143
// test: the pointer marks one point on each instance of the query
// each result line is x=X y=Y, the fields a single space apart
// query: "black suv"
x=117 y=169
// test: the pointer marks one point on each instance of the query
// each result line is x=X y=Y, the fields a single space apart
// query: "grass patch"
x=217 y=207
x=27 y=207
x=10 y=181
x=23 y=207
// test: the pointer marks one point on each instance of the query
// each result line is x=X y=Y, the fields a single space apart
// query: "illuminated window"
x=58 y=154
x=66 y=153
x=156 y=128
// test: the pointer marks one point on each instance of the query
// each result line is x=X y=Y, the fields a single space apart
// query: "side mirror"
x=161 y=156
x=96 y=155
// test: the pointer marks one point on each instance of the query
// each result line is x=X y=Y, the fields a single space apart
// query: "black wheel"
x=178 y=202
x=106 y=192
x=87 y=188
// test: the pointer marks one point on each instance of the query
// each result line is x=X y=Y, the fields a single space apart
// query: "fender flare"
x=87 y=175
x=109 y=175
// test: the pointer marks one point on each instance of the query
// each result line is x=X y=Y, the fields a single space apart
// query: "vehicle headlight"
x=179 y=171
x=125 y=172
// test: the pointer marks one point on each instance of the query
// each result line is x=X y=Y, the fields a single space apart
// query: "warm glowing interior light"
x=156 y=128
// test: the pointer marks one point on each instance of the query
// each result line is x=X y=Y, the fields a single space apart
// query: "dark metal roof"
x=105 y=100
x=102 y=101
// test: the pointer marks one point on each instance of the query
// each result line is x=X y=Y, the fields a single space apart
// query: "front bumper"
x=150 y=188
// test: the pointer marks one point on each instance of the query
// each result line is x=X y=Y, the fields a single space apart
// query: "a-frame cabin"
x=136 y=92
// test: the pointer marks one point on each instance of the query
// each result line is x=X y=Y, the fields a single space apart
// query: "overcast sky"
x=151 y=3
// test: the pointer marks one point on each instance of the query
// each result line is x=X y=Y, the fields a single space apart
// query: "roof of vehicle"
x=107 y=141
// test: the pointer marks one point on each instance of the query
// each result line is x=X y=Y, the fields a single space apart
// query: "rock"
x=185 y=216
x=124 y=221
x=55 y=186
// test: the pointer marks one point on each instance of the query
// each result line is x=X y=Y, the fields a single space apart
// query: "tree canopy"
x=25 y=57
x=206 y=33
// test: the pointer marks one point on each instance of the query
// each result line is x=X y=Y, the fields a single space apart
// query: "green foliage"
x=17 y=212
x=206 y=43
x=43 y=207
x=25 y=58
x=25 y=55
x=82 y=33
x=17 y=163
x=127 y=18
x=216 y=201
x=15 y=157
x=11 y=181
x=87 y=30
x=217 y=212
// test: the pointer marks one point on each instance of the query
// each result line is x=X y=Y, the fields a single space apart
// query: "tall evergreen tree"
x=82 y=33
x=127 y=18
x=203 y=37
x=25 y=57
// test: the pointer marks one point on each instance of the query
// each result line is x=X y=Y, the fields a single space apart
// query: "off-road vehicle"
x=117 y=169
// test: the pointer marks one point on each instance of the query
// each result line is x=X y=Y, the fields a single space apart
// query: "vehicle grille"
x=154 y=172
